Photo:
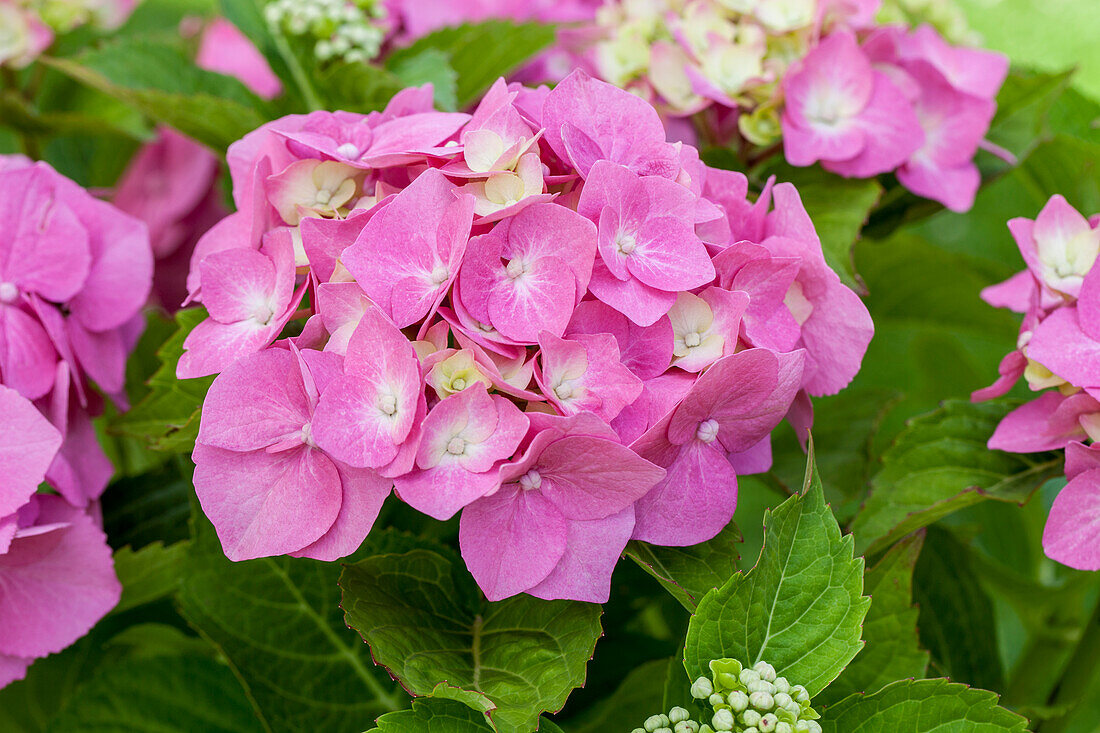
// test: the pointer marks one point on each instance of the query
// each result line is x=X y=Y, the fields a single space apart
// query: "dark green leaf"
x=688 y=573
x=432 y=714
x=956 y=615
x=799 y=609
x=149 y=574
x=152 y=507
x=892 y=647
x=162 y=694
x=638 y=697
x=427 y=624
x=161 y=81
x=278 y=623
x=940 y=464
x=922 y=706
x=1023 y=109
x=481 y=53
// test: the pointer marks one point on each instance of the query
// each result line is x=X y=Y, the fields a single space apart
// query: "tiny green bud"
x=782 y=727
x=686 y=726
x=753 y=729
x=738 y=701
x=723 y=720
x=765 y=670
x=638 y=730
x=663 y=729
x=762 y=701
x=802 y=726
x=652 y=723
x=749 y=675
x=678 y=715
x=750 y=717
x=782 y=685
x=793 y=708
x=702 y=688
x=782 y=699
x=717 y=701
x=815 y=727
x=768 y=723
x=799 y=693
x=761 y=686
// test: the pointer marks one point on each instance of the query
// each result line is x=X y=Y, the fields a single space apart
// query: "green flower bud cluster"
x=753 y=700
x=350 y=30
x=678 y=720
x=944 y=15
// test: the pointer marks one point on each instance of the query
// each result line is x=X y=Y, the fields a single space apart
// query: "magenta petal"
x=213 y=347
x=511 y=541
x=27 y=356
x=1015 y=293
x=363 y=492
x=56 y=585
x=442 y=490
x=592 y=551
x=1072 y=533
x=13 y=668
x=1011 y=368
x=81 y=470
x=237 y=284
x=1059 y=344
x=637 y=301
x=1037 y=425
x=264 y=504
x=695 y=500
x=28 y=443
x=591 y=478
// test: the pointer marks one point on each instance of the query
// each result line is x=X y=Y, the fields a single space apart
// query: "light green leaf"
x=148 y=574
x=427 y=624
x=162 y=694
x=167 y=417
x=956 y=614
x=430 y=65
x=481 y=53
x=922 y=706
x=940 y=464
x=799 y=609
x=1023 y=109
x=278 y=623
x=689 y=572
x=160 y=80
x=432 y=714
x=892 y=647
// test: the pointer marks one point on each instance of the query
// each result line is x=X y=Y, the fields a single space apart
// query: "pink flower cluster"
x=899 y=101
x=1058 y=354
x=542 y=314
x=74 y=274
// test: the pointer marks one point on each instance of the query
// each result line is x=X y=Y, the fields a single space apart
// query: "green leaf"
x=247 y=15
x=148 y=574
x=431 y=714
x=430 y=65
x=638 y=697
x=940 y=464
x=892 y=647
x=167 y=418
x=839 y=207
x=1023 y=108
x=688 y=573
x=160 y=80
x=481 y=53
x=152 y=507
x=426 y=622
x=956 y=614
x=356 y=87
x=163 y=694
x=922 y=706
x=799 y=609
x=278 y=623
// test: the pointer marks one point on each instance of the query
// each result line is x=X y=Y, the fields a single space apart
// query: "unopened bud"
x=678 y=715
x=765 y=670
x=762 y=701
x=749 y=676
x=768 y=723
x=815 y=727
x=782 y=685
x=750 y=717
x=761 y=686
x=702 y=688
x=723 y=720
x=782 y=727
x=799 y=693
x=793 y=708
x=653 y=722
x=738 y=701
x=686 y=726
x=782 y=699
x=716 y=701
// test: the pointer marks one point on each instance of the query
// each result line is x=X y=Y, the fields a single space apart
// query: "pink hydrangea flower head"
x=1059 y=246
x=573 y=472
x=26 y=36
x=843 y=112
x=584 y=374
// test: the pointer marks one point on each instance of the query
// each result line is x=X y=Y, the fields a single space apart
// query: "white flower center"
x=456 y=446
x=625 y=243
x=348 y=150
x=564 y=391
x=707 y=431
x=8 y=293
x=440 y=275
x=307 y=435
x=692 y=340
x=387 y=403
x=530 y=480
x=516 y=268
x=458 y=384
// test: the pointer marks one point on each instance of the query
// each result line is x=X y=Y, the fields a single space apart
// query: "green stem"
x=9 y=80
x=301 y=79
x=1078 y=676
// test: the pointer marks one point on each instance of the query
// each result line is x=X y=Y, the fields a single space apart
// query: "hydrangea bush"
x=562 y=366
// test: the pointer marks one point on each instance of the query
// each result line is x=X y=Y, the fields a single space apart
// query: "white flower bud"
x=815 y=727
x=793 y=708
x=663 y=729
x=723 y=720
x=638 y=730
x=702 y=688
x=686 y=726
x=716 y=700
x=677 y=715
x=738 y=701
x=799 y=693
x=753 y=729
x=749 y=676
x=782 y=727
x=762 y=701
x=653 y=722
x=781 y=684
x=761 y=686
x=750 y=717
x=782 y=699
x=765 y=670
x=802 y=726
x=768 y=723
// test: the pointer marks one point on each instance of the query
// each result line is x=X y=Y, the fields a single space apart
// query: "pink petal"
x=1059 y=344
x=1043 y=424
x=363 y=493
x=639 y=302
x=27 y=357
x=592 y=551
x=1072 y=533
x=237 y=284
x=646 y=351
x=893 y=133
x=28 y=444
x=1015 y=293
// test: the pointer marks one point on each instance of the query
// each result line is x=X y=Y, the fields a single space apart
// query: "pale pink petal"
x=1059 y=344
x=1072 y=533
x=591 y=552
x=646 y=351
x=27 y=356
x=363 y=493
x=28 y=444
